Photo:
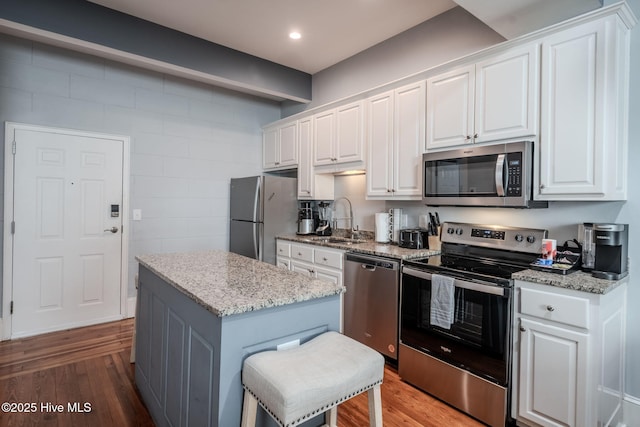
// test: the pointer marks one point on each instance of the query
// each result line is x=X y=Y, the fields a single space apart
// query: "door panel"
x=245 y=238
x=67 y=263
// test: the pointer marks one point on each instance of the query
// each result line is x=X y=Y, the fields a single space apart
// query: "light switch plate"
x=137 y=214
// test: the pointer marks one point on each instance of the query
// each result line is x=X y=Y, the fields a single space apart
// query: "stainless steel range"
x=455 y=316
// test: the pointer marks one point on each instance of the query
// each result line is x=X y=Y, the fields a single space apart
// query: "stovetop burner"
x=488 y=253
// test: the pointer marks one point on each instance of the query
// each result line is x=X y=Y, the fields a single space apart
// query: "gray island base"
x=201 y=314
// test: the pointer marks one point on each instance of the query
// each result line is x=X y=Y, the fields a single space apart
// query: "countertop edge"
x=387 y=250
x=577 y=281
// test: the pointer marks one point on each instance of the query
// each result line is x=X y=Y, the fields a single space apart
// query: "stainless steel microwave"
x=489 y=175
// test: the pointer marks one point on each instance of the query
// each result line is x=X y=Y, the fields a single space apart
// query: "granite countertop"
x=370 y=247
x=226 y=283
x=579 y=281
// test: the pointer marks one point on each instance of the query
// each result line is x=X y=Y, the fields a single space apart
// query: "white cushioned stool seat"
x=297 y=384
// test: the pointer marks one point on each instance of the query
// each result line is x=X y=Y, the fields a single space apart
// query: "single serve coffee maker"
x=611 y=251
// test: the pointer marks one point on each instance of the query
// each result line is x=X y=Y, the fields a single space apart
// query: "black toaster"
x=414 y=238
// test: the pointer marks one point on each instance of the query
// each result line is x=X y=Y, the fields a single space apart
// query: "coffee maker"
x=611 y=251
x=306 y=223
x=324 y=224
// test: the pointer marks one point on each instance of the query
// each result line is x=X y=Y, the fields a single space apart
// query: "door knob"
x=113 y=229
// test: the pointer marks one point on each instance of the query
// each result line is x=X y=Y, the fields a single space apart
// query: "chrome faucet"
x=350 y=218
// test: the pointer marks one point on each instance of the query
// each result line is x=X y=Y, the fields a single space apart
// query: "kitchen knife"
x=437 y=219
x=432 y=223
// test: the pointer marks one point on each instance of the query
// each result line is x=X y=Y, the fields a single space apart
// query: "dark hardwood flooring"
x=91 y=366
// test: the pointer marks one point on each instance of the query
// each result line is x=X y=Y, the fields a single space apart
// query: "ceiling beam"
x=90 y=28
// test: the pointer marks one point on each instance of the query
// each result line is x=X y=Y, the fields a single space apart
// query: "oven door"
x=478 y=337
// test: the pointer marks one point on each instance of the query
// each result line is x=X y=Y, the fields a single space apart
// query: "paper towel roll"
x=382 y=227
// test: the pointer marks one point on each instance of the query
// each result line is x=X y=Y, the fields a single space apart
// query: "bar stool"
x=297 y=384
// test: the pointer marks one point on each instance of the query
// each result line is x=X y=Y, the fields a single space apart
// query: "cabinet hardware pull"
x=522 y=329
x=550 y=308
x=324 y=259
x=468 y=137
x=475 y=136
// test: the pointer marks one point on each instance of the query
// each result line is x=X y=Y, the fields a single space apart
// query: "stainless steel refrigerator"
x=261 y=208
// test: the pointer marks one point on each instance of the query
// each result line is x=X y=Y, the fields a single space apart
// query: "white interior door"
x=67 y=244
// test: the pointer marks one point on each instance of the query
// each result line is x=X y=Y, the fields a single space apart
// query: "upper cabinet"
x=280 y=146
x=491 y=100
x=339 y=136
x=584 y=112
x=311 y=186
x=395 y=135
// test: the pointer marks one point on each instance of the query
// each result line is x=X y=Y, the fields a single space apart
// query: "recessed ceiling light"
x=295 y=35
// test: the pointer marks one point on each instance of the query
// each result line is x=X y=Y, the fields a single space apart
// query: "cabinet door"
x=380 y=145
x=302 y=267
x=328 y=274
x=450 y=108
x=324 y=138
x=305 y=167
x=289 y=145
x=408 y=138
x=270 y=153
x=349 y=133
x=572 y=103
x=553 y=369
x=506 y=100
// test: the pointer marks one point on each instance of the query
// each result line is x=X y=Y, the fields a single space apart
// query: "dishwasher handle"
x=371 y=263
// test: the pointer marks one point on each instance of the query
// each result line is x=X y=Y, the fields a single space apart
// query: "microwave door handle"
x=500 y=175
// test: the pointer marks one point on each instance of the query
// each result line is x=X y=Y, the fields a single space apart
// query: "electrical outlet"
x=137 y=214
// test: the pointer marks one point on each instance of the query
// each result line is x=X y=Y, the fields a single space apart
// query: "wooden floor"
x=91 y=366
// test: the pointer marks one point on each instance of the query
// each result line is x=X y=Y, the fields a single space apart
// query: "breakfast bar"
x=201 y=314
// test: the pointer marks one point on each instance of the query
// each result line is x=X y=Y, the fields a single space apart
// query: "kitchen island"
x=201 y=314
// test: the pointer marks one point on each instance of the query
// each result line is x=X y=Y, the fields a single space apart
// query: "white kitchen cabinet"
x=584 y=112
x=395 y=135
x=568 y=356
x=280 y=146
x=311 y=186
x=339 y=136
x=311 y=260
x=491 y=100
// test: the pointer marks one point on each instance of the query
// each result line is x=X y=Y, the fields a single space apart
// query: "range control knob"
x=450 y=230
x=459 y=231
x=531 y=239
x=519 y=237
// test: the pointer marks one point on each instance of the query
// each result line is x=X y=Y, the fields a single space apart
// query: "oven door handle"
x=464 y=284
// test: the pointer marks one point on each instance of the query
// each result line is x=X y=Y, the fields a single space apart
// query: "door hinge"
x=13 y=147
x=11 y=308
x=13 y=227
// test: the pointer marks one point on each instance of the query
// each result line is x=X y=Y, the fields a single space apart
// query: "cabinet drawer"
x=283 y=248
x=571 y=310
x=302 y=252
x=328 y=258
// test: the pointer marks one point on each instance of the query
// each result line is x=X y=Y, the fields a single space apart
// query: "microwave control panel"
x=514 y=174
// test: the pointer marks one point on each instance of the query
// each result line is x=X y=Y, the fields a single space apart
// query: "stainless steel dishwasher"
x=371 y=301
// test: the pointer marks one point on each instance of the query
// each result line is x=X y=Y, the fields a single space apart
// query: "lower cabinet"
x=568 y=356
x=311 y=260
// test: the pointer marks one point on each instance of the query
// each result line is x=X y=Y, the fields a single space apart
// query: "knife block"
x=434 y=241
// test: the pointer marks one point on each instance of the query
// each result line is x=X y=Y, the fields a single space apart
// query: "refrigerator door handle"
x=257 y=217
x=255 y=242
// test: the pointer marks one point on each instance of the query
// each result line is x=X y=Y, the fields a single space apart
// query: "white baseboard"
x=131 y=307
x=631 y=410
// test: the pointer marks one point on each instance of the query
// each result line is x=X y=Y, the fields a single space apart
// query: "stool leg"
x=249 y=410
x=331 y=417
x=375 y=406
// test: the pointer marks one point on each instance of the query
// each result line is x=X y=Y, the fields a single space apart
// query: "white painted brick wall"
x=187 y=139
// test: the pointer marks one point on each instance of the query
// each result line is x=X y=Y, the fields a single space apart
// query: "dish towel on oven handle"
x=442 y=301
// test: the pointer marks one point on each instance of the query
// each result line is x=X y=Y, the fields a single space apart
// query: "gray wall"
x=446 y=37
x=561 y=218
x=187 y=139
